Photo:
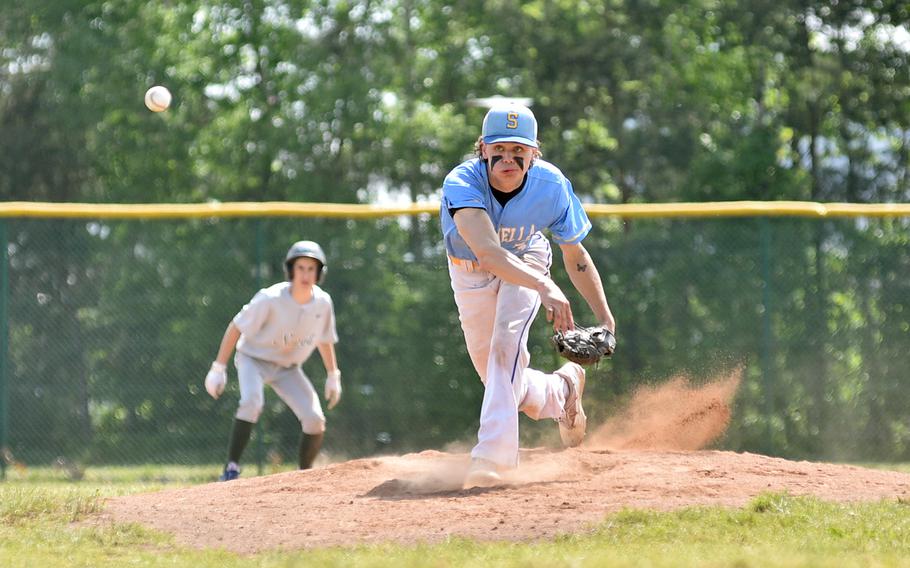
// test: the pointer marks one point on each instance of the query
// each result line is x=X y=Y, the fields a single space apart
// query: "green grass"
x=901 y=467
x=150 y=474
x=40 y=526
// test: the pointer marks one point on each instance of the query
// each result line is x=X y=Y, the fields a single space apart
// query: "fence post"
x=260 y=452
x=4 y=347
x=767 y=340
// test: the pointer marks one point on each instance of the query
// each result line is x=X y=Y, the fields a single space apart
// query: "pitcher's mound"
x=418 y=497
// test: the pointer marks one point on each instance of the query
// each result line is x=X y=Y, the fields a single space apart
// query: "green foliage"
x=112 y=324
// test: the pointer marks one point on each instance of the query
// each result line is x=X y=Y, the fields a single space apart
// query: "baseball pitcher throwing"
x=274 y=334
x=493 y=212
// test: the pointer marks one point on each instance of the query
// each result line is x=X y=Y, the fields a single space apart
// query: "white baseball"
x=157 y=98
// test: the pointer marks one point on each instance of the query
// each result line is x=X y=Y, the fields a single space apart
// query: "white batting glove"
x=216 y=379
x=333 y=388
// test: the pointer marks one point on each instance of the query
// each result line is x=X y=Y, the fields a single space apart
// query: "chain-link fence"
x=111 y=326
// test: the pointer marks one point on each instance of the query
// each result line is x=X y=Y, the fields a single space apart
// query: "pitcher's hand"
x=557 y=307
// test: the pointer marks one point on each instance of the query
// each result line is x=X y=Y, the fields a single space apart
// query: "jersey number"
x=512 y=120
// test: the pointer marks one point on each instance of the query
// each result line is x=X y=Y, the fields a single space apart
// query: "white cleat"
x=482 y=473
x=573 y=421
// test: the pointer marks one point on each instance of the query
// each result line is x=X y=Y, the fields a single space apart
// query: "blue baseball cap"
x=510 y=123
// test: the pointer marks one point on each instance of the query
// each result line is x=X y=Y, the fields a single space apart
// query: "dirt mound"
x=417 y=497
x=634 y=460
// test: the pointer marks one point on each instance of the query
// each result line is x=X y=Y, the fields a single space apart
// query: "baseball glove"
x=585 y=345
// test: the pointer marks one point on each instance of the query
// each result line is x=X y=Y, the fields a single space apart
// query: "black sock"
x=240 y=435
x=309 y=447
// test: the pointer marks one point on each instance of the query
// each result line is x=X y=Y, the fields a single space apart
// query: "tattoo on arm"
x=581 y=267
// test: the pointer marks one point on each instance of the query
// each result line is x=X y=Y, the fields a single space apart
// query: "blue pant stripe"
x=520 y=338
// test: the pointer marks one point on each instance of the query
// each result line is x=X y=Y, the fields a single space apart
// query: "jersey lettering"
x=275 y=328
x=516 y=234
x=546 y=202
x=292 y=340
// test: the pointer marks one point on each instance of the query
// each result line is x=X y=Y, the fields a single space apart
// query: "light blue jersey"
x=546 y=202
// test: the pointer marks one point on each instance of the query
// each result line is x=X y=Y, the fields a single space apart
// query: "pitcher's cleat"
x=573 y=421
x=482 y=473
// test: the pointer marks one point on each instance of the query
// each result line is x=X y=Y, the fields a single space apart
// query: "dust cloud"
x=675 y=415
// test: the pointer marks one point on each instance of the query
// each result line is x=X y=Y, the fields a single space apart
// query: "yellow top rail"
x=365 y=211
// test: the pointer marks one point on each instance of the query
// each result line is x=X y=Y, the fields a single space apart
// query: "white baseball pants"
x=289 y=383
x=495 y=317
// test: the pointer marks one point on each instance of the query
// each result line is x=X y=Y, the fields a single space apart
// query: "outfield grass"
x=902 y=467
x=39 y=526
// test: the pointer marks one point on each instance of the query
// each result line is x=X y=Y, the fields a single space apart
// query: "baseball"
x=157 y=98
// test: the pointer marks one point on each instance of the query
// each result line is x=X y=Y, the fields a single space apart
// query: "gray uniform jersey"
x=275 y=328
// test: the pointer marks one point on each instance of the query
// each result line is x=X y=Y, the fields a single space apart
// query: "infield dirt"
x=647 y=456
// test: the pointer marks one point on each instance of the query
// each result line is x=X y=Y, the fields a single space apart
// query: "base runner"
x=274 y=334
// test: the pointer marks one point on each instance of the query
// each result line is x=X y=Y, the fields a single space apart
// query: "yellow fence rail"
x=365 y=211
